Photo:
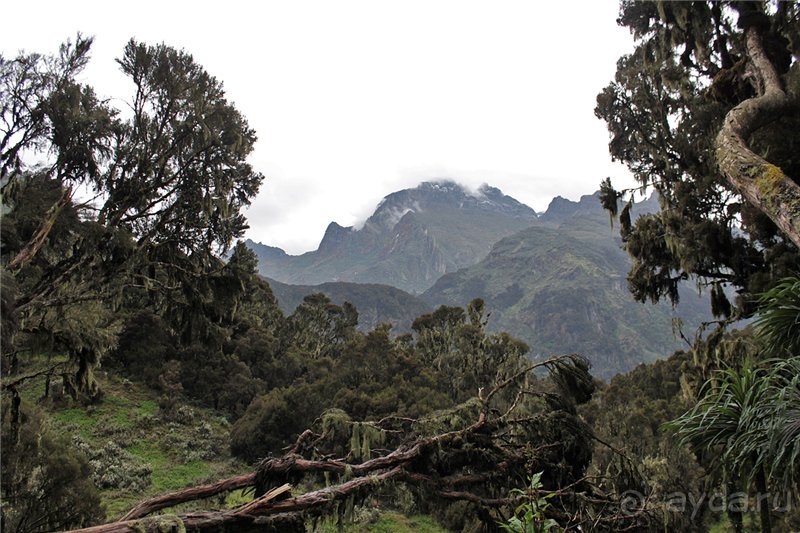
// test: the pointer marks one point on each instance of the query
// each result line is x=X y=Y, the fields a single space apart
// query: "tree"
x=162 y=189
x=632 y=451
x=748 y=419
x=764 y=184
x=168 y=183
x=367 y=377
x=726 y=421
x=455 y=342
x=705 y=111
x=320 y=328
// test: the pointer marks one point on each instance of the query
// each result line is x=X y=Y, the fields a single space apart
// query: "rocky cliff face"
x=413 y=237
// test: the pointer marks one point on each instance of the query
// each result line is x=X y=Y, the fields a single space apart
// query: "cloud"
x=352 y=101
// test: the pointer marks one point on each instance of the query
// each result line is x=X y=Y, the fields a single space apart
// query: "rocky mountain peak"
x=561 y=208
x=334 y=236
x=413 y=237
x=431 y=195
x=266 y=252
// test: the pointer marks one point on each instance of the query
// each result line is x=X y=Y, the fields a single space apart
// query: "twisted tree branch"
x=765 y=185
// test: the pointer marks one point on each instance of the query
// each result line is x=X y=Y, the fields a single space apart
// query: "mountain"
x=413 y=237
x=556 y=281
x=560 y=286
x=375 y=303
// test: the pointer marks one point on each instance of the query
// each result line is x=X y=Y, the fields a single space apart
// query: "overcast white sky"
x=353 y=100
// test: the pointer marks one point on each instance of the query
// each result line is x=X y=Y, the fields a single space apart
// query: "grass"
x=149 y=453
x=177 y=476
x=388 y=522
x=128 y=415
x=147 y=408
x=77 y=418
x=239 y=497
x=398 y=523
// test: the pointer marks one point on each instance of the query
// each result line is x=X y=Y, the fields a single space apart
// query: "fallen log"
x=263 y=514
x=171 y=499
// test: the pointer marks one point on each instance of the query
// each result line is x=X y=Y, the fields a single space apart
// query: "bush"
x=268 y=424
x=46 y=482
x=115 y=468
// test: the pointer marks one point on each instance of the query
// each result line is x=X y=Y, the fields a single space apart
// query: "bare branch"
x=171 y=499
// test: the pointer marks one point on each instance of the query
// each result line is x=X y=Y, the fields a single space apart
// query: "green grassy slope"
x=135 y=451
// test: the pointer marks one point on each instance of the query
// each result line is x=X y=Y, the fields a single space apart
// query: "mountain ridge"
x=413 y=237
x=376 y=303
x=559 y=284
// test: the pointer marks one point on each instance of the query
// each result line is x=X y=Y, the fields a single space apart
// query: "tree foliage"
x=46 y=483
x=112 y=226
x=165 y=190
x=779 y=320
x=691 y=69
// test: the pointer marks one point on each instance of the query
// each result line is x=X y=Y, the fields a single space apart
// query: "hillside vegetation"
x=376 y=304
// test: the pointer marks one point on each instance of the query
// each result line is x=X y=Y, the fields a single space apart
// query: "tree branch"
x=764 y=185
x=157 y=503
x=29 y=251
x=50 y=370
x=246 y=518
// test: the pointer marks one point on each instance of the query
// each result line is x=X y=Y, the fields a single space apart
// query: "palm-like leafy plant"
x=783 y=421
x=779 y=322
x=727 y=422
x=748 y=419
x=779 y=327
x=732 y=422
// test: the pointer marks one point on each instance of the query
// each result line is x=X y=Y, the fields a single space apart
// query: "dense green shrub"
x=47 y=482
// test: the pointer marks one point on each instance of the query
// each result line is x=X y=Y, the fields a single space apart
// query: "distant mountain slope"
x=561 y=287
x=375 y=303
x=413 y=237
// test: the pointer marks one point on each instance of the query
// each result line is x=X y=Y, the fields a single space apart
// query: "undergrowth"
x=136 y=452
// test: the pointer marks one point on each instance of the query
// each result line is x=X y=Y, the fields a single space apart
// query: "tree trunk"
x=194 y=493
x=735 y=514
x=763 y=500
x=763 y=184
x=263 y=514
